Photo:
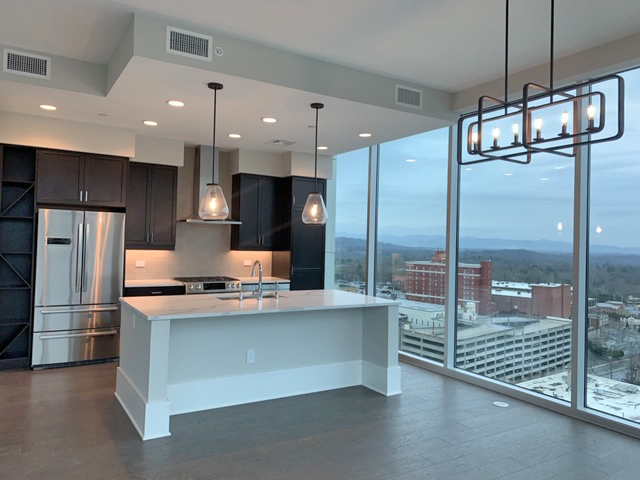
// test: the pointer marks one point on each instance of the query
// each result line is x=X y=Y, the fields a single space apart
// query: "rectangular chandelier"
x=537 y=126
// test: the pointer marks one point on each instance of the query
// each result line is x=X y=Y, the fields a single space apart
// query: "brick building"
x=538 y=300
x=425 y=282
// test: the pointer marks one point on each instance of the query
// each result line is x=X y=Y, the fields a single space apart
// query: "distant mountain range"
x=474 y=243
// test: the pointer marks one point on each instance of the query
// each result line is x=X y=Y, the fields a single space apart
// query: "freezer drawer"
x=47 y=319
x=75 y=346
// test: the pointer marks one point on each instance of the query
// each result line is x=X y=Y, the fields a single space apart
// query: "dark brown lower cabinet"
x=151 y=207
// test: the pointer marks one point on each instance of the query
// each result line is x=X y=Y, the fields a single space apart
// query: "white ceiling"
x=145 y=85
x=446 y=44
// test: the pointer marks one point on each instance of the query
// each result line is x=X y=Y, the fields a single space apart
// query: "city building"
x=538 y=299
x=425 y=282
x=512 y=349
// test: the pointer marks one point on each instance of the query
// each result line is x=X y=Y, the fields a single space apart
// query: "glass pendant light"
x=213 y=205
x=315 y=212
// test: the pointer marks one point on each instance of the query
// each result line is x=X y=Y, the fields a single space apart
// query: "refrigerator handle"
x=84 y=258
x=79 y=255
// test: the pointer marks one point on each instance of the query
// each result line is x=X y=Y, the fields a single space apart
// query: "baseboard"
x=385 y=381
x=151 y=420
x=227 y=391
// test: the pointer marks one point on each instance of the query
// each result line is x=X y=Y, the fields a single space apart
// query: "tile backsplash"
x=200 y=250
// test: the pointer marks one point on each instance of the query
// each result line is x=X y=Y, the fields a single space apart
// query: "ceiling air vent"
x=286 y=143
x=408 y=97
x=189 y=44
x=27 y=64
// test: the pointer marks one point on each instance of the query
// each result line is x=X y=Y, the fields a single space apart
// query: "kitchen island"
x=187 y=353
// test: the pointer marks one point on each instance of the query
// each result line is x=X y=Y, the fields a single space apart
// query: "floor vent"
x=27 y=64
x=189 y=44
x=408 y=97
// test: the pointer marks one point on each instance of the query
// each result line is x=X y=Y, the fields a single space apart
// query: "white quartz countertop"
x=154 y=282
x=204 y=305
x=248 y=280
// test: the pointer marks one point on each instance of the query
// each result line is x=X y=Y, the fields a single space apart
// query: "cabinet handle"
x=80 y=195
x=86 y=195
x=152 y=235
x=146 y=237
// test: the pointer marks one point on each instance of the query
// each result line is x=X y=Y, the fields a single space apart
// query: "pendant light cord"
x=506 y=57
x=315 y=173
x=213 y=155
x=551 y=46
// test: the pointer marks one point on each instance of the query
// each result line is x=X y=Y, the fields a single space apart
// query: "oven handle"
x=76 y=335
x=80 y=310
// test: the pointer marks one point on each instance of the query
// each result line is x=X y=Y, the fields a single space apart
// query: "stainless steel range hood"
x=202 y=170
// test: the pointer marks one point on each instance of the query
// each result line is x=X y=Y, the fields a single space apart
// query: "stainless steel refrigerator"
x=79 y=278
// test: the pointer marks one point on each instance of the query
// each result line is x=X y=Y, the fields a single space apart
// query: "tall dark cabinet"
x=151 y=207
x=304 y=245
x=17 y=230
x=255 y=203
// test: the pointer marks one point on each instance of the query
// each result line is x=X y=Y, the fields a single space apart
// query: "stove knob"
x=199 y=287
x=190 y=287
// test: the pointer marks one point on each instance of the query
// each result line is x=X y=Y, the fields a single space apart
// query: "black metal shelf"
x=17 y=182
x=9 y=217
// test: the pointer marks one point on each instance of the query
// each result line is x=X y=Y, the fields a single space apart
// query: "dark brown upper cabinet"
x=255 y=204
x=81 y=179
x=151 y=207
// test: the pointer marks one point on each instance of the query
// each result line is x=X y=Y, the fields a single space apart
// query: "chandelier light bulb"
x=560 y=227
x=496 y=135
x=591 y=115
x=474 y=141
x=598 y=229
x=516 y=131
x=565 y=121
x=538 y=124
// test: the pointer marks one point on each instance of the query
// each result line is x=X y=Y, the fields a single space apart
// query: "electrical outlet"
x=247 y=263
x=251 y=355
x=140 y=264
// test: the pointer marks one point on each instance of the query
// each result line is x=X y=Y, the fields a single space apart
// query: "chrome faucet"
x=253 y=274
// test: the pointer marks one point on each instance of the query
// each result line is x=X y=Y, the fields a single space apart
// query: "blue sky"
x=499 y=199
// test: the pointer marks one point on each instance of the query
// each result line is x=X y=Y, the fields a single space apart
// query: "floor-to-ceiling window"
x=613 y=324
x=514 y=288
x=352 y=174
x=410 y=256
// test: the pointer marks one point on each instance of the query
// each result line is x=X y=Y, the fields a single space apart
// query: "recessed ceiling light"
x=544 y=179
x=51 y=108
x=235 y=135
x=323 y=148
x=508 y=174
x=269 y=120
x=364 y=135
x=410 y=160
x=103 y=115
x=150 y=123
x=468 y=169
x=175 y=103
x=558 y=168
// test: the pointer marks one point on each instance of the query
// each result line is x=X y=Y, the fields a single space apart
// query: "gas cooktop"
x=206 y=279
x=218 y=284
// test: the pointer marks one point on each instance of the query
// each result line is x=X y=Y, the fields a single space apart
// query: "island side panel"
x=141 y=381
x=295 y=353
x=380 y=369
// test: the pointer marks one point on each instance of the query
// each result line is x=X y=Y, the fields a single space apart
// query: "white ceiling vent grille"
x=22 y=63
x=286 y=143
x=189 y=44
x=408 y=97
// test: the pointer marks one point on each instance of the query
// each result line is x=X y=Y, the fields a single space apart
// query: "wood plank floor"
x=66 y=424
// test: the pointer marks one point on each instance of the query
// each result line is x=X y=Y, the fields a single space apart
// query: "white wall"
x=163 y=151
x=38 y=131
